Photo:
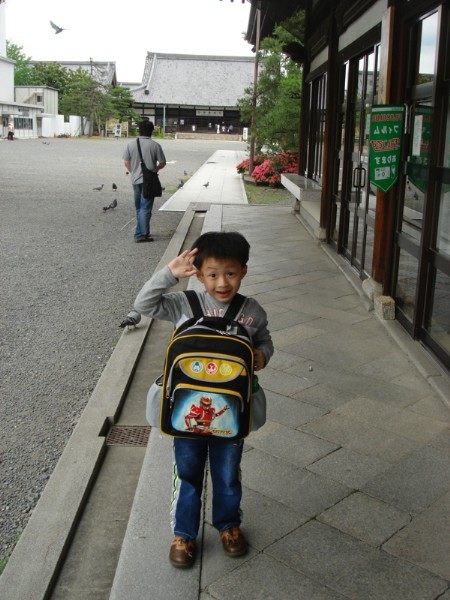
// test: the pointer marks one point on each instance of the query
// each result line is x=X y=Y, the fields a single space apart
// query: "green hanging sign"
x=386 y=130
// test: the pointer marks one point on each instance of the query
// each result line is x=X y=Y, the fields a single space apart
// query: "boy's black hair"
x=221 y=244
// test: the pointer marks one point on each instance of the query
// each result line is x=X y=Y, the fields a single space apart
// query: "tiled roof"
x=186 y=79
x=103 y=72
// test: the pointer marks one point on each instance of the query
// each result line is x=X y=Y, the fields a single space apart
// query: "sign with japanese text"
x=386 y=129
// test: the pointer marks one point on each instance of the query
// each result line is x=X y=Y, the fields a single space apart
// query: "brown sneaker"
x=182 y=552
x=233 y=541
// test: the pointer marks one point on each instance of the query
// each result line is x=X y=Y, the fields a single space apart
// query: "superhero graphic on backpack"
x=203 y=415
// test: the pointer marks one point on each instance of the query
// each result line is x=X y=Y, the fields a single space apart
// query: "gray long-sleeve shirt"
x=155 y=301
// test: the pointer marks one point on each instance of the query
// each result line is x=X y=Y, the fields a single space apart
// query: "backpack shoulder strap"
x=235 y=305
x=197 y=311
x=194 y=303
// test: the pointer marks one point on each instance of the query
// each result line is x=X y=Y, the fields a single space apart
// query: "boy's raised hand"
x=183 y=265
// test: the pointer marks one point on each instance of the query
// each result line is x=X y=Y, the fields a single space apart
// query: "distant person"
x=10 y=132
x=218 y=128
x=155 y=160
x=230 y=128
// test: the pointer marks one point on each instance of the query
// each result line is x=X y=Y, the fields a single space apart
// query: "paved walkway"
x=216 y=181
x=346 y=487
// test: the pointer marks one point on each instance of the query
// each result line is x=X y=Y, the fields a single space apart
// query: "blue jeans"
x=189 y=473
x=144 y=209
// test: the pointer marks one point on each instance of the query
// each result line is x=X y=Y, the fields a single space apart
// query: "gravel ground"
x=70 y=272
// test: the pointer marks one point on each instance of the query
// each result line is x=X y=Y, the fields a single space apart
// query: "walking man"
x=154 y=158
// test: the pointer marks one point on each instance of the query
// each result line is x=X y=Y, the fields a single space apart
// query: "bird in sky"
x=114 y=187
x=57 y=28
x=98 y=188
x=205 y=185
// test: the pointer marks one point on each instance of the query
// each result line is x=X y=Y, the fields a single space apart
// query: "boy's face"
x=221 y=277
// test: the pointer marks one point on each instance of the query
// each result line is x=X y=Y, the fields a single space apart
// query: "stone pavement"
x=346 y=487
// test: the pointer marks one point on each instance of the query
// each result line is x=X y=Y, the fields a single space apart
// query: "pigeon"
x=181 y=184
x=114 y=187
x=112 y=205
x=205 y=185
x=131 y=320
x=98 y=188
x=46 y=143
x=57 y=28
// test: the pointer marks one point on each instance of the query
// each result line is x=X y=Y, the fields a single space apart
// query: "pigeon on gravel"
x=114 y=187
x=112 y=205
x=98 y=188
x=131 y=320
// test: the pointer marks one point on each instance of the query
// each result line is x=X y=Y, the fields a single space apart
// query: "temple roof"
x=193 y=80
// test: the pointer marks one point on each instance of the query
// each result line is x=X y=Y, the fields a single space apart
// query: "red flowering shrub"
x=269 y=170
x=242 y=167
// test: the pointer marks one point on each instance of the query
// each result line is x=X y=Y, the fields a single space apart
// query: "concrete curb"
x=36 y=560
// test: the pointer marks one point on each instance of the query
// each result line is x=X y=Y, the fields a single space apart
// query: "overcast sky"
x=123 y=31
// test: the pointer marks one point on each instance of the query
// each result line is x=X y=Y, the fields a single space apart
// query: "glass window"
x=443 y=235
x=406 y=283
x=439 y=327
x=318 y=90
x=23 y=123
x=417 y=169
x=428 y=49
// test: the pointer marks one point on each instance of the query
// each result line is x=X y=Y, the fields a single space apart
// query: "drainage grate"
x=128 y=435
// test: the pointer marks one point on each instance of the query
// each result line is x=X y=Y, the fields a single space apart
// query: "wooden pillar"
x=385 y=202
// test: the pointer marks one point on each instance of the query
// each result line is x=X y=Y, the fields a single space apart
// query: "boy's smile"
x=221 y=277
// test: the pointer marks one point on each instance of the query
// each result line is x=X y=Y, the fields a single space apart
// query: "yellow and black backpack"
x=208 y=374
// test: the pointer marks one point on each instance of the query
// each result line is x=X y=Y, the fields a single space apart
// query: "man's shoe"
x=233 y=541
x=144 y=238
x=182 y=552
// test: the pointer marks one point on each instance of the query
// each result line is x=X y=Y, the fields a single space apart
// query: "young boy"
x=219 y=261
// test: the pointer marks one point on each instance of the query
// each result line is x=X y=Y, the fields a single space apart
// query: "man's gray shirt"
x=152 y=154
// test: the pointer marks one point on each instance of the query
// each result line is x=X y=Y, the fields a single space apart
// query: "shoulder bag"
x=151 y=185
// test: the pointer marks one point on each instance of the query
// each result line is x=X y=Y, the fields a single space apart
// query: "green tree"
x=23 y=70
x=88 y=98
x=51 y=75
x=79 y=93
x=278 y=98
x=122 y=101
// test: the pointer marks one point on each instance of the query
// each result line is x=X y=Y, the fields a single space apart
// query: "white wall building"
x=23 y=116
